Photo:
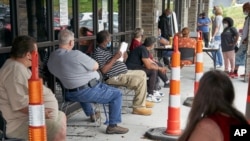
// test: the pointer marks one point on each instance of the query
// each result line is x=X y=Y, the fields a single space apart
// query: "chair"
x=187 y=54
x=3 y=130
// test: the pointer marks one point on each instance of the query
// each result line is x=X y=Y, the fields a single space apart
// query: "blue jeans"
x=218 y=54
x=240 y=56
x=103 y=94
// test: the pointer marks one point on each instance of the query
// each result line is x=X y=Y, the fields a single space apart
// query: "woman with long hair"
x=212 y=112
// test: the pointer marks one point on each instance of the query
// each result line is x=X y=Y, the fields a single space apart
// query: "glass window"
x=103 y=21
x=5 y=25
x=63 y=14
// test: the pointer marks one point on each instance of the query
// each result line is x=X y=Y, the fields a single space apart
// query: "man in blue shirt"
x=203 y=25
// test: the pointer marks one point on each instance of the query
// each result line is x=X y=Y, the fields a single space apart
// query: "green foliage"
x=235 y=12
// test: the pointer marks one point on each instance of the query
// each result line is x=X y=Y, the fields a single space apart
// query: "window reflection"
x=5 y=27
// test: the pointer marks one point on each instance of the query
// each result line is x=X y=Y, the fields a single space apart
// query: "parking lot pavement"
x=80 y=129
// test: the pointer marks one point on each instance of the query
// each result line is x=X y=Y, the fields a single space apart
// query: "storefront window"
x=5 y=26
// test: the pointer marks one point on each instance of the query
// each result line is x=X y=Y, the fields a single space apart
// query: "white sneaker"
x=154 y=99
x=158 y=94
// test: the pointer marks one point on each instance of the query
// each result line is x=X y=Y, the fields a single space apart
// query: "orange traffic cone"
x=173 y=122
x=37 y=127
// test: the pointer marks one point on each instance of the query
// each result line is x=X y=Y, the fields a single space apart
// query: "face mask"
x=168 y=16
x=109 y=44
x=245 y=13
x=225 y=25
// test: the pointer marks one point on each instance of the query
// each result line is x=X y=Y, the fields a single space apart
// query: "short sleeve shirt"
x=14 y=94
x=72 y=67
x=135 y=57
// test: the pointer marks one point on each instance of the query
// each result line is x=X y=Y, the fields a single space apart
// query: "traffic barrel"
x=173 y=121
x=248 y=102
x=37 y=127
x=199 y=62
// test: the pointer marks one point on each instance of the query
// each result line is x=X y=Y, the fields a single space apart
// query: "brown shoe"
x=149 y=104
x=95 y=117
x=142 y=111
x=116 y=130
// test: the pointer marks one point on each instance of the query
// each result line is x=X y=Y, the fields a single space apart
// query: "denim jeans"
x=103 y=94
x=240 y=56
x=218 y=54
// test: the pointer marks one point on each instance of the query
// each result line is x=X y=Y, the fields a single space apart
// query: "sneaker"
x=158 y=94
x=234 y=75
x=95 y=117
x=231 y=74
x=116 y=130
x=142 y=111
x=154 y=99
x=149 y=104
x=166 y=85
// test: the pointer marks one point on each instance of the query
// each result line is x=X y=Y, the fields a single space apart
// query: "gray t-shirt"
x=72 y=67
x=218 y=23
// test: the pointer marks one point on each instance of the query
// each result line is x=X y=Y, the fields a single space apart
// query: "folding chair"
x=3 y=130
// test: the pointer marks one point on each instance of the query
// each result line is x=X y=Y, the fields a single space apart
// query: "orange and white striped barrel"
x=248 y=102
x=173 y=121
x=199 y=62
x=37 y=127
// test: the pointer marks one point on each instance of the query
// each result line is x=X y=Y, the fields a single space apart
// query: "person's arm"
x=110 y=63
x=206 y=130
x=217 y=26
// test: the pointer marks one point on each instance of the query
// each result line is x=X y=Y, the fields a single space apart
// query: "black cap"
x=149 y=41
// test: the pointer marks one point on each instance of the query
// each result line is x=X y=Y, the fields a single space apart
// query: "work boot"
x=116 y=130
x=95 y=117
x=142 y=111
x=149 y=104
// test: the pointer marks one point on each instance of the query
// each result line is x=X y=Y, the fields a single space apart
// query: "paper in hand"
x=123 y=48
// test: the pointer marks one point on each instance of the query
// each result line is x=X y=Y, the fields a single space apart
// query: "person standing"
x=78 y=74
x=203 y=25
x=229 y=38
x=165 y=24
x=240 y=56
x=115 y=72
x=217 y=28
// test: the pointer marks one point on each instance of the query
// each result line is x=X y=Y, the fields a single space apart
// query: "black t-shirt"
x=135 y=57
x=228 y=38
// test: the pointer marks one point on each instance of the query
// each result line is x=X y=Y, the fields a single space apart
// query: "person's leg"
x=226 y=62
x=240 y=58
x=163 y=77
x=135 y=80
x=231 y=58
x=205 y=38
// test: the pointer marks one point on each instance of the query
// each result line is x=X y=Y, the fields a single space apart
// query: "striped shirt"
x=102 y=56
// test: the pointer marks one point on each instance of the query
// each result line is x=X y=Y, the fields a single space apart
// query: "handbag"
x=236 y=48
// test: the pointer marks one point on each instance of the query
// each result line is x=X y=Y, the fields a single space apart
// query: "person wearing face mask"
x=240 y=56
x=115 y=72
x=165 y=24
x=203 y=25
x=217 y=28
x=229 y=38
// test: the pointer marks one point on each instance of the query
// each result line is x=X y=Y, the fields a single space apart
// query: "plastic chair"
x=187 y=54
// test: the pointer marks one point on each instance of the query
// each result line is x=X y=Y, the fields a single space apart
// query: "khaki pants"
x=135 y=80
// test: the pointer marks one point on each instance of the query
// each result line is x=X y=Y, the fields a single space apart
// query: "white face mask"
x=225 y=25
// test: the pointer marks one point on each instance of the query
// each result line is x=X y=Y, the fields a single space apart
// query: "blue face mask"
x=168 y=16
x=109 y=44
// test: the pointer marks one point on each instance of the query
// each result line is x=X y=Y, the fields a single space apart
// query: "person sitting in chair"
x=78 y=74
x=185 y=41
x=14 y=99
x=116 y=73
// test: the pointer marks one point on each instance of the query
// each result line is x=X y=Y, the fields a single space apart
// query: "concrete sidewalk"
x=80 y=129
